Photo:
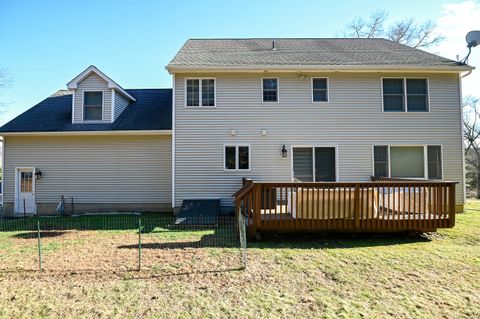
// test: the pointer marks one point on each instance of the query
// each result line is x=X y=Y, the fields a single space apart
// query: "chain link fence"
x=123 y=243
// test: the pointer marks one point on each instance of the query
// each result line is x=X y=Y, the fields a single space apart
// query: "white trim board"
x=119 y=132
x=73 y=84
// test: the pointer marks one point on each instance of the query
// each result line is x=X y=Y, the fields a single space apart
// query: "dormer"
x=97 y=98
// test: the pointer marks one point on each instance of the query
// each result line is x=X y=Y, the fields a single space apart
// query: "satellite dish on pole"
x=473 y=39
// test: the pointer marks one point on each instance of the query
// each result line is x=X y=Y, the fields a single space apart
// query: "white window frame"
x=278 y=89
x=328 y=88
x=313 y=158
x=200 y=102
x=237 y=164
x=405 y=94
x=425 y=159
x=83 y=105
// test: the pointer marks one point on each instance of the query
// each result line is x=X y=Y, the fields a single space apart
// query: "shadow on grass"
x=43 y=234
x=206 y=241
x=335 y=241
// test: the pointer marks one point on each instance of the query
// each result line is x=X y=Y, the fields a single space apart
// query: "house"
x=273 y=110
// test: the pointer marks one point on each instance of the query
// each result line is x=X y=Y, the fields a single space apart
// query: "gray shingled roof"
x=152 y=110
x=294 y=53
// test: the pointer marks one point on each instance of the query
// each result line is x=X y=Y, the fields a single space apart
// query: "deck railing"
x=375 y=206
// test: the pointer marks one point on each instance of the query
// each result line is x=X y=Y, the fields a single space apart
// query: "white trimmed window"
x=236 y=157
x=405 y=95
x=200 y=92
x=423 y=161
x=270 y=89
x=319 y=89
x=93 y=106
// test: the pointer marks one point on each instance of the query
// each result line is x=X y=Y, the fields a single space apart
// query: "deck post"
x=356 y=205
x=257 y=206
x=451 y=208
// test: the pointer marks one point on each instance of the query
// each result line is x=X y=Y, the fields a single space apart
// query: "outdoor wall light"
x=38 y=173
x=284 y=151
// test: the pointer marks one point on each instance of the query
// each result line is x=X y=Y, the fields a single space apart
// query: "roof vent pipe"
x=273 y=45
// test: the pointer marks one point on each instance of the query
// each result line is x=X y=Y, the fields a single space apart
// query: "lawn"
x=365 y=276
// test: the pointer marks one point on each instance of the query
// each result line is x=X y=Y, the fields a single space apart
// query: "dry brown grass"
x=309 y=276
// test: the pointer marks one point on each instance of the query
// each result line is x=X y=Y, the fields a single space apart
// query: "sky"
x=44 y=44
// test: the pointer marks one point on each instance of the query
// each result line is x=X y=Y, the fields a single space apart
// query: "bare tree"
x=5 y=80
x=471 y=134
x=406 y=31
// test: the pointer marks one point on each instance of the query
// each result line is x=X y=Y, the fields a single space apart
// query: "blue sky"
x=44 y=44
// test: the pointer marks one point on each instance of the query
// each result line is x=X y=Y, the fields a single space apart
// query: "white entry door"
x=25 y=191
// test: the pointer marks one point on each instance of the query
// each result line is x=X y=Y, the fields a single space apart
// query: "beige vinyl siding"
x=121 y=103
x=93 y=169
x=352 y=120
x=93 y=83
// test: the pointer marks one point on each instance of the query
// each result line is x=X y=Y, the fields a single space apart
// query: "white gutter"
x=317 y=68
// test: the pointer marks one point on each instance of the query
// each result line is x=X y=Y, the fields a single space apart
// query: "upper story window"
x=270 y=89
x=93 y=106
x=319 y=89
x=200 y=92
x=405 y=95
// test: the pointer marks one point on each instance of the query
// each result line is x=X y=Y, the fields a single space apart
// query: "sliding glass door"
x=314 y=164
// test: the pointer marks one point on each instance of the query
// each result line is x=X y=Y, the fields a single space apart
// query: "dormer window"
x=93 y=106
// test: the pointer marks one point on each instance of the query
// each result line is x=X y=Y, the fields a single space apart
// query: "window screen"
x=434 y=162
x=407 y=161
x=92 y=106
x=320 y=93
x=393 y=100
x=270 y=90
x=380 y=161
x=417 y=98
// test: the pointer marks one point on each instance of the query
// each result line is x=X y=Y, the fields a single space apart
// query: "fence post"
x=39 y=245
x=139 y=244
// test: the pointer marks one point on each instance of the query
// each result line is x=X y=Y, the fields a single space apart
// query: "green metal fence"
x=123 y=243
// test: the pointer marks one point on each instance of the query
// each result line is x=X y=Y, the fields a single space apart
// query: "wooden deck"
x=377 y=206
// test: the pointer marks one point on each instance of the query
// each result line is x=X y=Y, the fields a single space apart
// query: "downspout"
x=2 y=140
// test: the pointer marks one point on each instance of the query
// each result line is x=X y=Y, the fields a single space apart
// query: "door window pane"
x=26 y=182
x=324 y=164
x=303 y=164
x=407 y=161
x=434 y=162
